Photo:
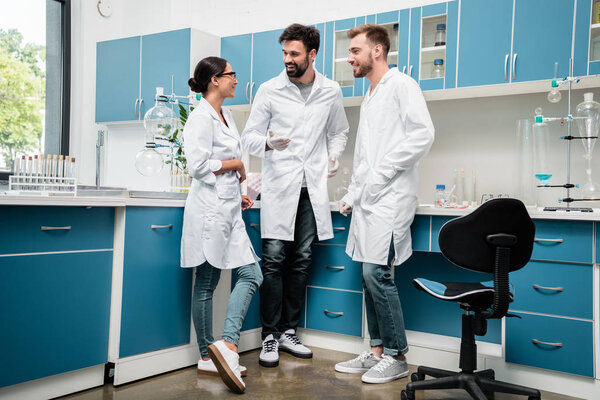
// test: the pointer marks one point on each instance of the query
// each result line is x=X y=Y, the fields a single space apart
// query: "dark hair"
x=375 y=34
x=204 y=71
x=309 y=35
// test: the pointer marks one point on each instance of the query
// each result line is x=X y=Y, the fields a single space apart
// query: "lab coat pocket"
x=375 y=186
x=228 y=191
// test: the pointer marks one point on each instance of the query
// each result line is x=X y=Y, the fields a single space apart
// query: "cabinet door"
x=319 y=60
x=484 y=42
x=415 y=43
x=238 y=51
x=543 y=33
x=55 y=313
x=403 y=40
x=342 y=71
x=156 y=305
x=267 y=58
x=164 y=55
x=117 y=79
x=582 y=38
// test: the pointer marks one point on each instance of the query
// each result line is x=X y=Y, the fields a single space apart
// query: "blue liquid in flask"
x=543 y=177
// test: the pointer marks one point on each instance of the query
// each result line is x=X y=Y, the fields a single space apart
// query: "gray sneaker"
x=362 y=363
x=387 y=370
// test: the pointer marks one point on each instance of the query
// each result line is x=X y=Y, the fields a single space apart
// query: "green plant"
x=177 y=140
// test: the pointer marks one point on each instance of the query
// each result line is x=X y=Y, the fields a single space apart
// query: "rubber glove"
x=333 y=166
x=345 y=209
x=277 y=142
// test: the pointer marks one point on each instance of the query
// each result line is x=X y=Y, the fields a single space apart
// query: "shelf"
x=433 y=49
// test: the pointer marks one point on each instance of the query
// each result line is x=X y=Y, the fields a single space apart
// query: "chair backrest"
x=463 y=240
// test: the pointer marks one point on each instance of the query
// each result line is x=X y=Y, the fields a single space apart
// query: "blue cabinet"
x=568 y=241
x=129 y=70
x=238 y=51
x=332 y=268
x=156 y=305
x=55 y=314
x=267 y=58
x=118 y=79
x=334 y=311
x=419 y=232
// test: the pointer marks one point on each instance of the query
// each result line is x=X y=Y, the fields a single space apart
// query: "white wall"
x=475 y=134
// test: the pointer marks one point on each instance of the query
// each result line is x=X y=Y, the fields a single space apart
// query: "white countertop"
x=123 y=201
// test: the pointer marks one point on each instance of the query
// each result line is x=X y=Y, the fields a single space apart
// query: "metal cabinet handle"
x=252 y=92
x=247 y=86
x=161 y=226
x=135 y=107
x=254 y=225
x=56 y=228
x=410 y=70
x=140 y=108
x=548 y=240
x=334 y=267
x=404 y=69
x=535 y=341
x=514 y=66
x=506 y=67
x=556 y=289
x=339 y=228
x=339 y=314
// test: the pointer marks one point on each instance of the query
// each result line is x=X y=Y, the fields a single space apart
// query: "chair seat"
x=478 y=295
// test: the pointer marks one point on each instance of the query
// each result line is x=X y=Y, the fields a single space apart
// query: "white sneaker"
x=290 y=343
x=387 y=370
x=207 y=367
x=228 y=364
x=365 y=361
x=269 y=355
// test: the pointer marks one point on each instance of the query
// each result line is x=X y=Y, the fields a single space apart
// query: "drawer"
x=332 y=268
x=554 y=288
x=436 y=225
x=563 y=241
x=334 y=311
x=341 y=225
x=420 y=232
x=29 y=229
x=568 y=344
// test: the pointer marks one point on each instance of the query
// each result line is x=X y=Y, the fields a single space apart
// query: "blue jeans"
x=384 y=311
x=207 y=278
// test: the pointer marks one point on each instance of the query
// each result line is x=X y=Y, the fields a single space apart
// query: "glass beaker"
x=541 y=141
x=525 y=155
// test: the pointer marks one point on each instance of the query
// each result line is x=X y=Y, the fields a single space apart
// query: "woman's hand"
x=246 y=202
x=242 y=172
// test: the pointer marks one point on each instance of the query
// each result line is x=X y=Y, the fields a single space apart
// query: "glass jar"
x=440 y=35
x=440 y=196
x=438 y=68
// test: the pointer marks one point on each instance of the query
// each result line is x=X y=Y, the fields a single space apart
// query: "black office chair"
x=496 y=238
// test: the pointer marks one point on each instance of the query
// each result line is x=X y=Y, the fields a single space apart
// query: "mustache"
x=291 y=64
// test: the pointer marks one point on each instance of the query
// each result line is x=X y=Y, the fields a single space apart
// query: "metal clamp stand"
x=569 y=120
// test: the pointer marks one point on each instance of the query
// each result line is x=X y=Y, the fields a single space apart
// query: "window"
x=34 y=79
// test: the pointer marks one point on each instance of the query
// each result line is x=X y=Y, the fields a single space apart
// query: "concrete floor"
x=294 y=379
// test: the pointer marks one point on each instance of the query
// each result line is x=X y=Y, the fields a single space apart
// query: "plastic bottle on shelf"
x=440 y=35
x=440 y=196
x=438 y=68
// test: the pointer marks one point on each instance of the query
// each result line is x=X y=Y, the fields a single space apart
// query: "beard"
x=364 y=69
x=300 y=70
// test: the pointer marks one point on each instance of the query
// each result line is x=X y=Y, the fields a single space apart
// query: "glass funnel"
x=588 y=122
x=541 y=141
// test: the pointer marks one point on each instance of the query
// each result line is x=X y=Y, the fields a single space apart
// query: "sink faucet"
x=99 y=145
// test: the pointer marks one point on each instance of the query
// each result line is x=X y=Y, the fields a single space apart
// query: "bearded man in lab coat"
x=394 y=132
x=298 y=127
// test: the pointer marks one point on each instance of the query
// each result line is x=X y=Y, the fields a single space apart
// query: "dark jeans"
x=284 y=283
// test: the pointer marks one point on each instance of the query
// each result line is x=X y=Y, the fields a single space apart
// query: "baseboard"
x=56 y=385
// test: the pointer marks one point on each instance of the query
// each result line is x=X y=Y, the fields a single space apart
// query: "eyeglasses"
x=232 y=74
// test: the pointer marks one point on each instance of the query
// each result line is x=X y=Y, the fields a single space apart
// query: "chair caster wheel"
x=417 y=376
x=407 y=395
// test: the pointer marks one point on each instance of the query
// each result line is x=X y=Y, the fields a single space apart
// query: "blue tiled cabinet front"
x=238 y=51
x=56 y=307
x=129 y=70
x=156 y=306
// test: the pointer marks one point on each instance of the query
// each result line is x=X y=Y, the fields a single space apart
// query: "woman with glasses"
x=214 y=235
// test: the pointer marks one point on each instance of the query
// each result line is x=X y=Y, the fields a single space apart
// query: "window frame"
x=65 y=119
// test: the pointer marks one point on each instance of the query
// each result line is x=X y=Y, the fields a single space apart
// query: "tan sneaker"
x=227 y=362
x=207 y=367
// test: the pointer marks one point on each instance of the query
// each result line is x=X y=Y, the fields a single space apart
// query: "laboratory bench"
x=94 y=292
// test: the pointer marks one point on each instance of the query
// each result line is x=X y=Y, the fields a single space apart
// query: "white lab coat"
x=213 y=229
x=394 y=132
x=317 y=128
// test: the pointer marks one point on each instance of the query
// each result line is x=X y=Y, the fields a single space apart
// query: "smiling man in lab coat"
x=395 y=131
x=299 y=128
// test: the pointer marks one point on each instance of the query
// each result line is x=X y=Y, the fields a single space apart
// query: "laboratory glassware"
x=440 y=196
x=440 y=35
x=148 y=161
x=438 y=68
x=160 y=120
x=459 y=185
x=541 y=138
x=588 y=122
x=526 y=182
x=554 y=95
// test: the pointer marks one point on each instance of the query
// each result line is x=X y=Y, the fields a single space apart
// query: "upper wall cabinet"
x=587 y=40
x=255 y=58
x=505 y=41
x=129 y=70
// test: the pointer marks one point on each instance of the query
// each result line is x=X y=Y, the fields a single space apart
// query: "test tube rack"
x=568 y=121
x=37 y=185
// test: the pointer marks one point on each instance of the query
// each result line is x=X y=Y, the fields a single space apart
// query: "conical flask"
x=588 y=122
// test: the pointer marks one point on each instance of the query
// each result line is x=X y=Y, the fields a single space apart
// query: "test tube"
x=35 y=172
x=29 y=172
x=53 y=171
x=41 y=171
x=48 y=170
x=60 y=171
x=67 y=173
